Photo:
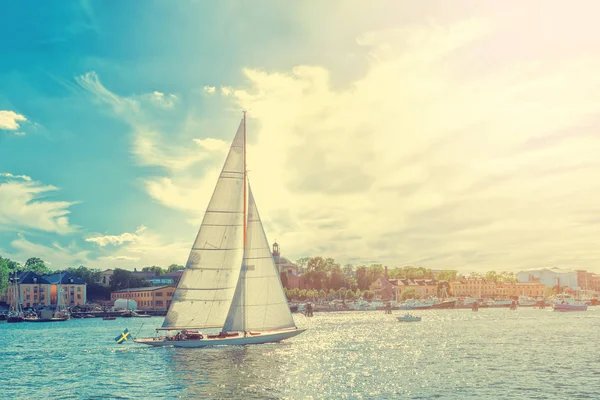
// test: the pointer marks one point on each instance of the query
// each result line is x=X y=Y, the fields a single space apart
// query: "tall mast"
x=245 y=182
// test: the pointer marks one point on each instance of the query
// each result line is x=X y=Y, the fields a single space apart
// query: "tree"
x=37 y=265
x=362 y=279
x=89 y=275
x=447 y=275
x=157 y=270
x=348 y=270
x=336 y=279
x=408 y=294
x=374 y=271
x=175 y=267
x=491 y=276
x=350 y=283
x=4 y=271
x=301 y=262
x=284 y=279
x=123 y=279
x=508 y=276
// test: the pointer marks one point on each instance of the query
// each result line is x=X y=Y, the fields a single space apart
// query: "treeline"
x=325 y=274
x=341 y=294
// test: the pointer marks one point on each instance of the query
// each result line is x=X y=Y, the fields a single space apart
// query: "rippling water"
x=495 y=353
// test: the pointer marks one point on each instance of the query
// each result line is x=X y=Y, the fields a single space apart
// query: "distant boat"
x=109 y=318
x=230 y=281
x=564 y=302
x=408 y=318
x=526 y=301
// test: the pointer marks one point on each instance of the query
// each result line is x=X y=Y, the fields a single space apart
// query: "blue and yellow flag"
x=123 y=336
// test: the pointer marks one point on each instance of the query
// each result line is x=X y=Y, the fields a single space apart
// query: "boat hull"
x=444 y=305
x=570 y=307
x=47 y=319
x=268 y=337
x=414 y=319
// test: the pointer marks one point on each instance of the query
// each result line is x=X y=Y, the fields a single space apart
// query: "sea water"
x=450 y=354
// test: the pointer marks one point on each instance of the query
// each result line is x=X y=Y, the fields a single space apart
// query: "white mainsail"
x=259 y=303
x=205 y=291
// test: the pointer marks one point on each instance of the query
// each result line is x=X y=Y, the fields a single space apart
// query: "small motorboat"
x=109 y=318
x=408 y=318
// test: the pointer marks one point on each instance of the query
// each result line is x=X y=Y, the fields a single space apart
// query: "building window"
x=159 y=294
x=28 y=297
x=27 y=288
x=79 y=289
x=78 y=297
x=158 y=303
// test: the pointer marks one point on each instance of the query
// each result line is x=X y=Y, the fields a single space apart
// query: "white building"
x=550 y=277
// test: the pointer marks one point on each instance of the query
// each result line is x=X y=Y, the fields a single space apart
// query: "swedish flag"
x=123 y=336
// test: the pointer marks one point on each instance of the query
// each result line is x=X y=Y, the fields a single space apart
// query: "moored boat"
x=564 y=302
x=444 y=304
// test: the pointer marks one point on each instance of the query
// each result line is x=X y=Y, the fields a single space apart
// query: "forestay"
x=259 y=302
x=207 y=285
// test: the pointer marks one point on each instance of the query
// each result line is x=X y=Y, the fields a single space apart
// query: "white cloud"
x=146 y=249
x=119 y=258
x=9 y=175
x=159 y=99
x=416 y=162
x=10 y=120
x=151 y=145
x=116 y=240
x=23 y=205
x=209 y=89
x=434 y=156
x=56 y=255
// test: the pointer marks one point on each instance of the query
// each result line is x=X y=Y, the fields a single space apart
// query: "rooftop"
x=29 y=277
x=64 y=278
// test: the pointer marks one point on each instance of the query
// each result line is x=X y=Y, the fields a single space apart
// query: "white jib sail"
x=259 y=303
x=204 y=293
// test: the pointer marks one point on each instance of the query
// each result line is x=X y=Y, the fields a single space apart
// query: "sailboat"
x=15 y=314
x=230 y=281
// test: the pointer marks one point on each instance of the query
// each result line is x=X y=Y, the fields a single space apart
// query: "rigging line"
x=139 y=329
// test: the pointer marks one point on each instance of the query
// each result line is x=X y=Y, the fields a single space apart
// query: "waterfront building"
x=105 y=278
x=422 y=288
x=588 y=281
x=515 y=289
x=33 y=290
x=147 y=298
x=472 y=287
x=551 y=277
x=74 y=290
x=382 y=289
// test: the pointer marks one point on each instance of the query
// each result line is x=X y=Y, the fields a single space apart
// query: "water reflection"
x=227 y=371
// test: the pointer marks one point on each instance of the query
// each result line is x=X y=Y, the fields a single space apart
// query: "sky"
x=449 y=135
